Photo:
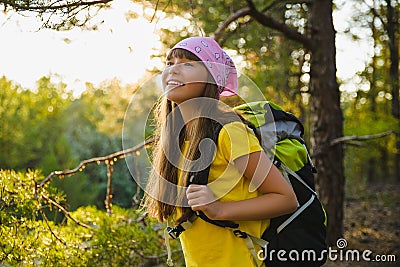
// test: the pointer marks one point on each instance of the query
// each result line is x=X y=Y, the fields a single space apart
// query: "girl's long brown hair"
x=161 y=200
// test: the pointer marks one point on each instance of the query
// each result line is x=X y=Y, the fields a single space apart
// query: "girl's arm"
x=277 y=196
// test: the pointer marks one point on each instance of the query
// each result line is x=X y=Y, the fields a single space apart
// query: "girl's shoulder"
x=236 y=139
x=235 y=126
x=232 y=128
x=227 y=119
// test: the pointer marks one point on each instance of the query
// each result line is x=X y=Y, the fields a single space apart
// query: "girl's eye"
x=170 y=63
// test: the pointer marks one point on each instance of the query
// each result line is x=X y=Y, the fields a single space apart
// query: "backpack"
x=296 y=239
x=302 y=234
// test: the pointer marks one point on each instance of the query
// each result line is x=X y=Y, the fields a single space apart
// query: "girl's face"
x=184 y=79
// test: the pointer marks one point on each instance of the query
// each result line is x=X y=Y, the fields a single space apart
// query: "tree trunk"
x=392 y=28
x=327 y=120
x=371 y=167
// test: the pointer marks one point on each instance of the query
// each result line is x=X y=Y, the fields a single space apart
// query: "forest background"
x=90 y=217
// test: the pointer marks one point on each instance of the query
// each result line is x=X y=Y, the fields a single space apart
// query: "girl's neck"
x=188 y=112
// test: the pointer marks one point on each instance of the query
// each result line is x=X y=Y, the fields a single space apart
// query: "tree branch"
x=109 y=159
x=54 y=5
x=279 y=26
x=265 y=21
x=51 y=230
x=63 y=210
x=238 y=14
x=349 y=139
x=136 y=197
x=109 y=194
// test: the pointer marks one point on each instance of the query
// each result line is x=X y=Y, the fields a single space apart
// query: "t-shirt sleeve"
x=236 y=140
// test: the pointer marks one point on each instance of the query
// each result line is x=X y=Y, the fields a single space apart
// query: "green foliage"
x=32 y=125
x=120 y=239
x=48 y=129
x=125 y=238
x=22 y=232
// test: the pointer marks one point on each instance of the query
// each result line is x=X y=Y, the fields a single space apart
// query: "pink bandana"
x=218 y=63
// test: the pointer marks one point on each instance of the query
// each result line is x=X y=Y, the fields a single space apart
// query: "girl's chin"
x=172 y=97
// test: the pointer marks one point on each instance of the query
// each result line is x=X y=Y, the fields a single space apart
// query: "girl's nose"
x=173 y=69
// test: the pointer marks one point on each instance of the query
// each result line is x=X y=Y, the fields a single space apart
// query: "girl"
x=198 y=72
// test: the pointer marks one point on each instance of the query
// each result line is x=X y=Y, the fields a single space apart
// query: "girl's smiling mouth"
x=175 y=83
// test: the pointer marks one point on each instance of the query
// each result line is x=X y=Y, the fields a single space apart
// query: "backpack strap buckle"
x=240 y=234
x=174 y=232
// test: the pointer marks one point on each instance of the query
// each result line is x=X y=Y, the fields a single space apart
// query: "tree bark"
x=392 y=28
x=327 y=119
x=371 y=167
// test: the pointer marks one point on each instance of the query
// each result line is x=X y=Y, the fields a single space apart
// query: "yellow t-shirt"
x=205 y=244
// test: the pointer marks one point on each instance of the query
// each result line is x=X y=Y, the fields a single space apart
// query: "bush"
x=85 y=237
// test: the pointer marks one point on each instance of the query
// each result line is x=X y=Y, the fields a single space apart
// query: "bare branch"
x=136 y=197
x=109 y=159
x=109 y=194
x=51 y=230
x=63 y=210
x=348 y=139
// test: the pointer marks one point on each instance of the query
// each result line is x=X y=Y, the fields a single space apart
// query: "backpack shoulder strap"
x=199 y=174
x=201 y=177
